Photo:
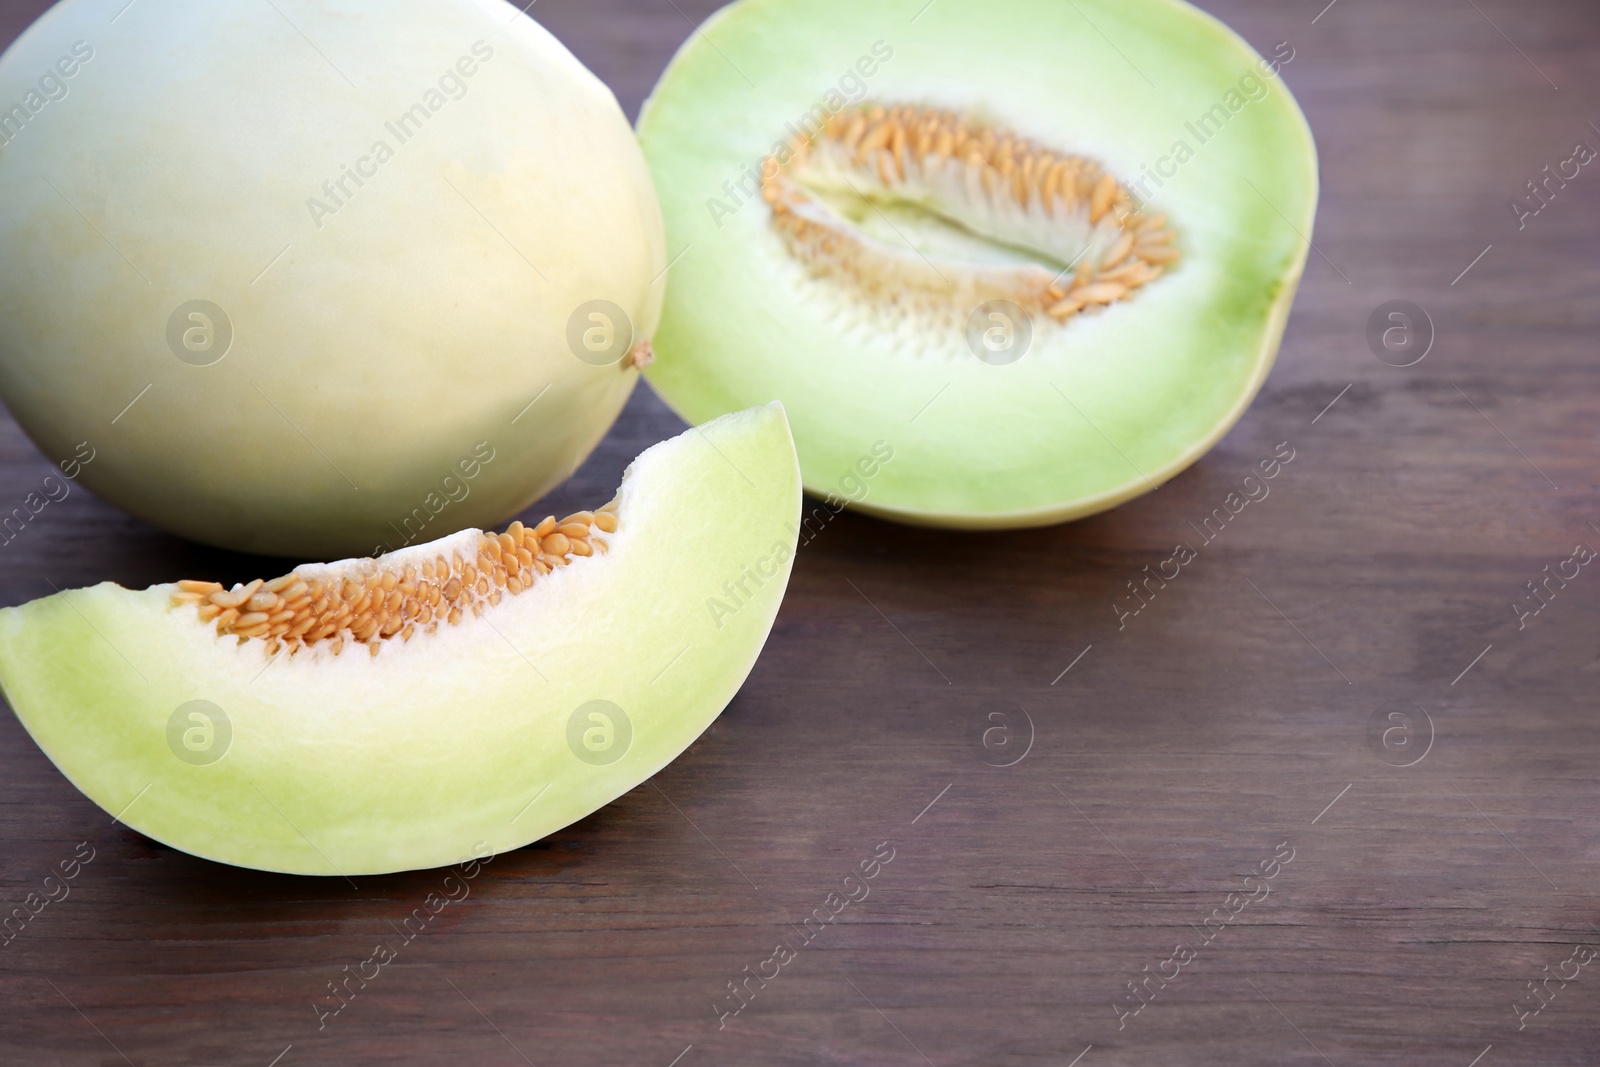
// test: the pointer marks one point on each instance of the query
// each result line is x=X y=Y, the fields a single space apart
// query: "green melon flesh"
x=483 y=188
x=1100 y=409
x=449 y=744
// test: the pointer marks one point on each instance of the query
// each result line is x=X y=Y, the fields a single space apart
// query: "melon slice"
x=1041 y=252
x=471 y=694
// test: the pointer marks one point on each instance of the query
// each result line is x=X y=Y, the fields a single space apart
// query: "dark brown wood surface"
x=1166 y=766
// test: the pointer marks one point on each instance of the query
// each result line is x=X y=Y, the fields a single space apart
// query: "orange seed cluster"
x=380 y=602
x=894 y=146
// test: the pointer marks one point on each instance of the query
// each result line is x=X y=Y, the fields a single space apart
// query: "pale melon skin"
x=450 y=745
x=377 y=351
x=1097 y=412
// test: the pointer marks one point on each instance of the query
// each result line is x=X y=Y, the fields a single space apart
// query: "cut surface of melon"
x=532 y=693
x=1043 y=252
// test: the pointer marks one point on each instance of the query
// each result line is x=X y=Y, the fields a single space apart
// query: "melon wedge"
x=473 y=732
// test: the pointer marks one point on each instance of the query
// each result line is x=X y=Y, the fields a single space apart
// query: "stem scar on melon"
x=986 y=180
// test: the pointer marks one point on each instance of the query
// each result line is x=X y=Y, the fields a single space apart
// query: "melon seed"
x=981 y=178
x=383 y=602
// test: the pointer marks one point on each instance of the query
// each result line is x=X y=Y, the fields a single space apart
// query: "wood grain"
x=1166 y=765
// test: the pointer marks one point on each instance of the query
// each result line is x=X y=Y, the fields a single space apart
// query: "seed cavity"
x=1008 y=218
x=376 y=602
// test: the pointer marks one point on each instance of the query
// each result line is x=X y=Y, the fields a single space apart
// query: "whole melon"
x=317 y=277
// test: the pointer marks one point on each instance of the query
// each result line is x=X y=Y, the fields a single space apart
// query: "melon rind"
x=380 y=353
x=1100 y=410
x=452 y=743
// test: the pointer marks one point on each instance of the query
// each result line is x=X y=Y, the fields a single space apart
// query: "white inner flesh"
x=945 y=212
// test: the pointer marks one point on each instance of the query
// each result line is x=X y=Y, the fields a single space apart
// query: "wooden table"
x=1228 y=723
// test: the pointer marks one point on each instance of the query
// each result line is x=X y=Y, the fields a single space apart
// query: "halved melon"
x=407 y=712
x=1040 y=252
